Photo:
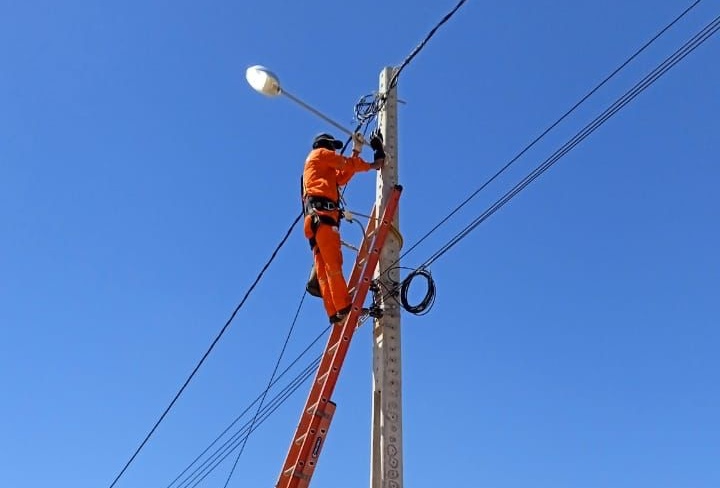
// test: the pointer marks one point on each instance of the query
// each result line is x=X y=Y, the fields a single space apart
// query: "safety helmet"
x=327 y=141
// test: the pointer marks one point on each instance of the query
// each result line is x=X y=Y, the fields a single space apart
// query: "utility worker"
x=325 y=171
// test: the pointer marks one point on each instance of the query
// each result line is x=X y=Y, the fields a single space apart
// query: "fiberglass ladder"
x=315 y=419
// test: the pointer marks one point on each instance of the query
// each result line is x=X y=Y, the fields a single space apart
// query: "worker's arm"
x=353 y=164
x=376 y=143
x=333 y=160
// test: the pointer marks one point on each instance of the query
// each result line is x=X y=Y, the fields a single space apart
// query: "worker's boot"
x=313 y=286
x=340 y=315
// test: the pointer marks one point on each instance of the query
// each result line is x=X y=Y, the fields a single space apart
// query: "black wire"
x=366 y=111
x=679 y=55
x=428 y=300
x=630 y=95
x=280 y=376
x=419 y=47
x=549 y=128
x=392 y=84
x=709 y=30
x=207 y=353
x=378 y=106
x=206 y=467
x=232 y=444
x=267 y=388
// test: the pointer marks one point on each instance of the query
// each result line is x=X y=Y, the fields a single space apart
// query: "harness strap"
x=316 y=220
x=320 y=203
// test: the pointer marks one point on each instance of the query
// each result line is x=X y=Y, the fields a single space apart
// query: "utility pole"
x=386 y=455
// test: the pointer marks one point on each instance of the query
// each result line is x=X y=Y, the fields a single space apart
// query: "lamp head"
x=263 y=81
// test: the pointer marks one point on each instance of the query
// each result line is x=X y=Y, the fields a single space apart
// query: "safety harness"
x=311 y=204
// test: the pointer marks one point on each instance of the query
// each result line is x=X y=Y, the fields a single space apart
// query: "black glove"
x=376 y=143
x=376 y=140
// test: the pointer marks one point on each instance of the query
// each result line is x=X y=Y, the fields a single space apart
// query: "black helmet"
x=327 y=141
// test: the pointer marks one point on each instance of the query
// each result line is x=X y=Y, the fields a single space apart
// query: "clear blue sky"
x=574 y=341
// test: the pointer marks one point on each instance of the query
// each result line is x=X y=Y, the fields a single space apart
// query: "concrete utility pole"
x=386 y=459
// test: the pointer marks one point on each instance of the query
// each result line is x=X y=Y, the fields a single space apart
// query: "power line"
x=551 y=127
x=366 y=110
x=680 y=54
x=534 y=175
x=227 y=448
x=393 y=82
x=247 y=409
x=695 y=42
x=221 y=454
x=207 y=353
x=267 y=388
x=421 y=46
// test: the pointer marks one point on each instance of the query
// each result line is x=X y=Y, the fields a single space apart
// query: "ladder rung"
x=331 y=349
x=292 y=472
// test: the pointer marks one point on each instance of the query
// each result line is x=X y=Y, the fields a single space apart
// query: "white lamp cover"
x=263 y=80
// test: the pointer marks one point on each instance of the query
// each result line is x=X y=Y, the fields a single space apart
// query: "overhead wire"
x=267 y=389
x=366 y=110
x=393 y=83
x=342 y=151
x=641 y=86
x=257 y=418
x=661 y=69
x=206 y=354
x=668 y=64
x=247 y=409
x=232 y=444
x=221 y=453
x=696 y=41
x=551 y=127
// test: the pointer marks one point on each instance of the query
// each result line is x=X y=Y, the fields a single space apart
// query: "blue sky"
x=143 y=185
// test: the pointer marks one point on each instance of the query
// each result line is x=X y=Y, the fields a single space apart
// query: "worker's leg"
x=323 y=282
x=328 y=242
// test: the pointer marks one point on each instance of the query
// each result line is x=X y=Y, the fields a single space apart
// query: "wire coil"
x=428 y=300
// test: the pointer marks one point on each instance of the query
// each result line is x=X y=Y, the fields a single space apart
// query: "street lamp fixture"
x=264 y=81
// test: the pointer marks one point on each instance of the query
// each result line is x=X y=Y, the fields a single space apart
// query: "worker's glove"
x=376 y=143
x=358 y=141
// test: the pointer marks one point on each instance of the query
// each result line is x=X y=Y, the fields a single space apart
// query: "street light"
x=264 y=81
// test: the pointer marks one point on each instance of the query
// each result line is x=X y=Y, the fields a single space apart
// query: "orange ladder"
x=315 y=419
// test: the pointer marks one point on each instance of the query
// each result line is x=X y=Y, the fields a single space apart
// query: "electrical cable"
x=420 y=271
x=423 y=307
x=366 y=110
x=428 y=300
x=289 y=332
x=247 y=409
x=267 y=388
x=229 y=446
x=392 y=84
x=660 y=70
x=641 y=86
x=695 y=42
x=207 y=352
x=551 y=127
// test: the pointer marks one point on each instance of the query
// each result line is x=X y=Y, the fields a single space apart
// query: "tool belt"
x=320 y=203
x=311 y=206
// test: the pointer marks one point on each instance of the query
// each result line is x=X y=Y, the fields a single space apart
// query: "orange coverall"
x=324 y=171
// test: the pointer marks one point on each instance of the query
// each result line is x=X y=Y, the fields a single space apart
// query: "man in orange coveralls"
x=325 y=171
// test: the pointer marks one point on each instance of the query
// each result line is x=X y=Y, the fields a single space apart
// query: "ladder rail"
x=332 y=342
x=316 y=415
